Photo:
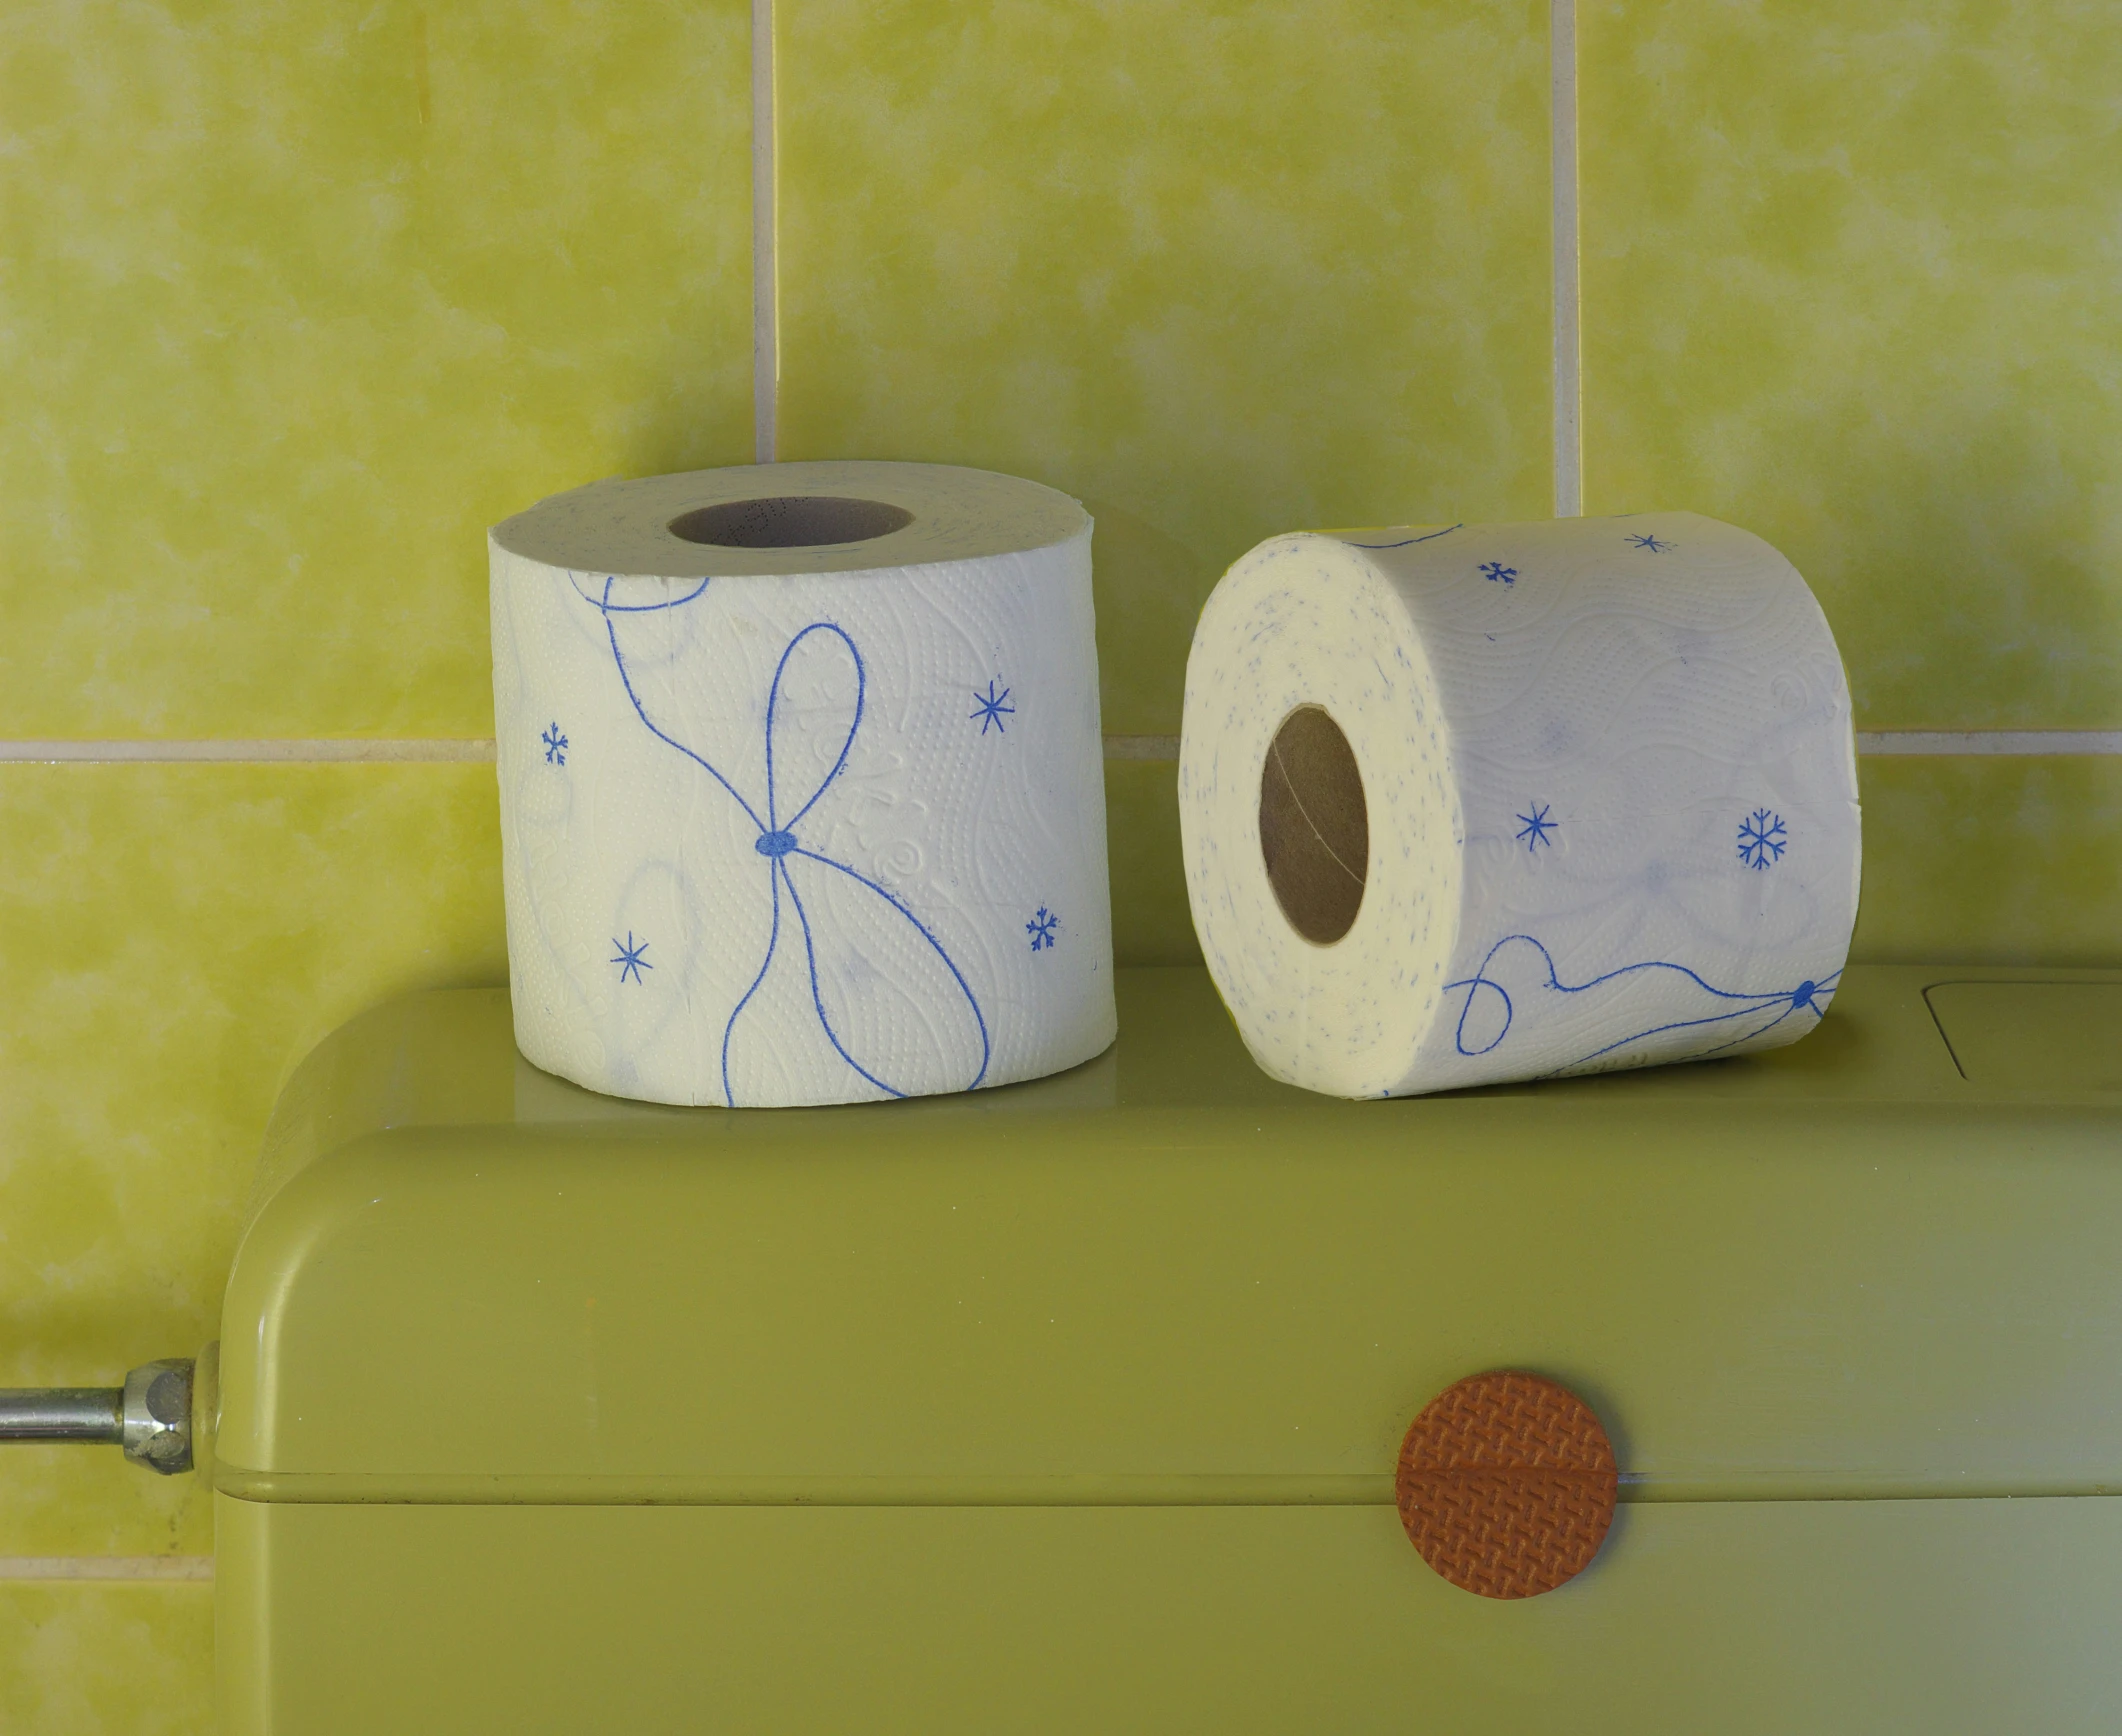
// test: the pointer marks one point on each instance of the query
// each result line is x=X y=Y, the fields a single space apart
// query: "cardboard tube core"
x=790 y=521
x=1314 y=826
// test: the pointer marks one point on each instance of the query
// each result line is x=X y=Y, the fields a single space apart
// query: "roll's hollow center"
x=1314 y=826
x=790 y=521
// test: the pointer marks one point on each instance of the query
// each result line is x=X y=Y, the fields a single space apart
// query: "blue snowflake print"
x=1041 y=928
x=1761 y=838
x=1650 y=544
x=555 y=746
x=629 y=957
x=1495 y=570
x=1535 y=831
x=989 y=709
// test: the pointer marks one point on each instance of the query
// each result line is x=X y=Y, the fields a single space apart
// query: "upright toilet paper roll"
x=802 y=797
x=1506 y=801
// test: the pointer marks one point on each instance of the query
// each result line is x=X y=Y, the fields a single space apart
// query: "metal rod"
x=62 y=1413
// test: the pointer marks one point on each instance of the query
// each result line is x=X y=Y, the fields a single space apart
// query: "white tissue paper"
x=1596 y=806
x=811 y=811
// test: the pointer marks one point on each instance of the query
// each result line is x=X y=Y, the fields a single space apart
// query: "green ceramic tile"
x=172 y=940
x=1850 y=280
x=299 y=297
x=1151 y=921
x=1218 y=269
x=104 y=1659
x=1991 y=860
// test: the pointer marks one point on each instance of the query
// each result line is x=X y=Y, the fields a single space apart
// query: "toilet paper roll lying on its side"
x=1508 y=801
x=802 y=796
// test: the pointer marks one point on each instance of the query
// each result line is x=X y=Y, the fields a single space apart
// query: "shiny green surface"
x=1743 y=1619
x=1838 y=1269
x=2032 y=1035
x=1072 y=1406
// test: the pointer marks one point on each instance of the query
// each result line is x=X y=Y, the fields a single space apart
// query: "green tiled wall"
x=1992 y=860
x=174 y=938
x=295 y=298
x=98 y=1659
x=301 y=295
x=1217 y=270
x=1851 y=279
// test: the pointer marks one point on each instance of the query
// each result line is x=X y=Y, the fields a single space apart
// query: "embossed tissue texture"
x=804 y=837
x=1611 y=785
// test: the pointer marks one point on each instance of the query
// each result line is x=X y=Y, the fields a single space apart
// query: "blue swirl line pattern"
x=1806 y=997
x=777 y=840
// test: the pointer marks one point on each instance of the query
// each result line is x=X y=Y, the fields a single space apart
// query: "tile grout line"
x=766 y=323
x=327 y=751
x=475 y=750
x=2010 y=742
x=1563 y=245
x=107 y=1567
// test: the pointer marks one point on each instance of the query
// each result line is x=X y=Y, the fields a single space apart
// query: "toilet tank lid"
x=466 y=1280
